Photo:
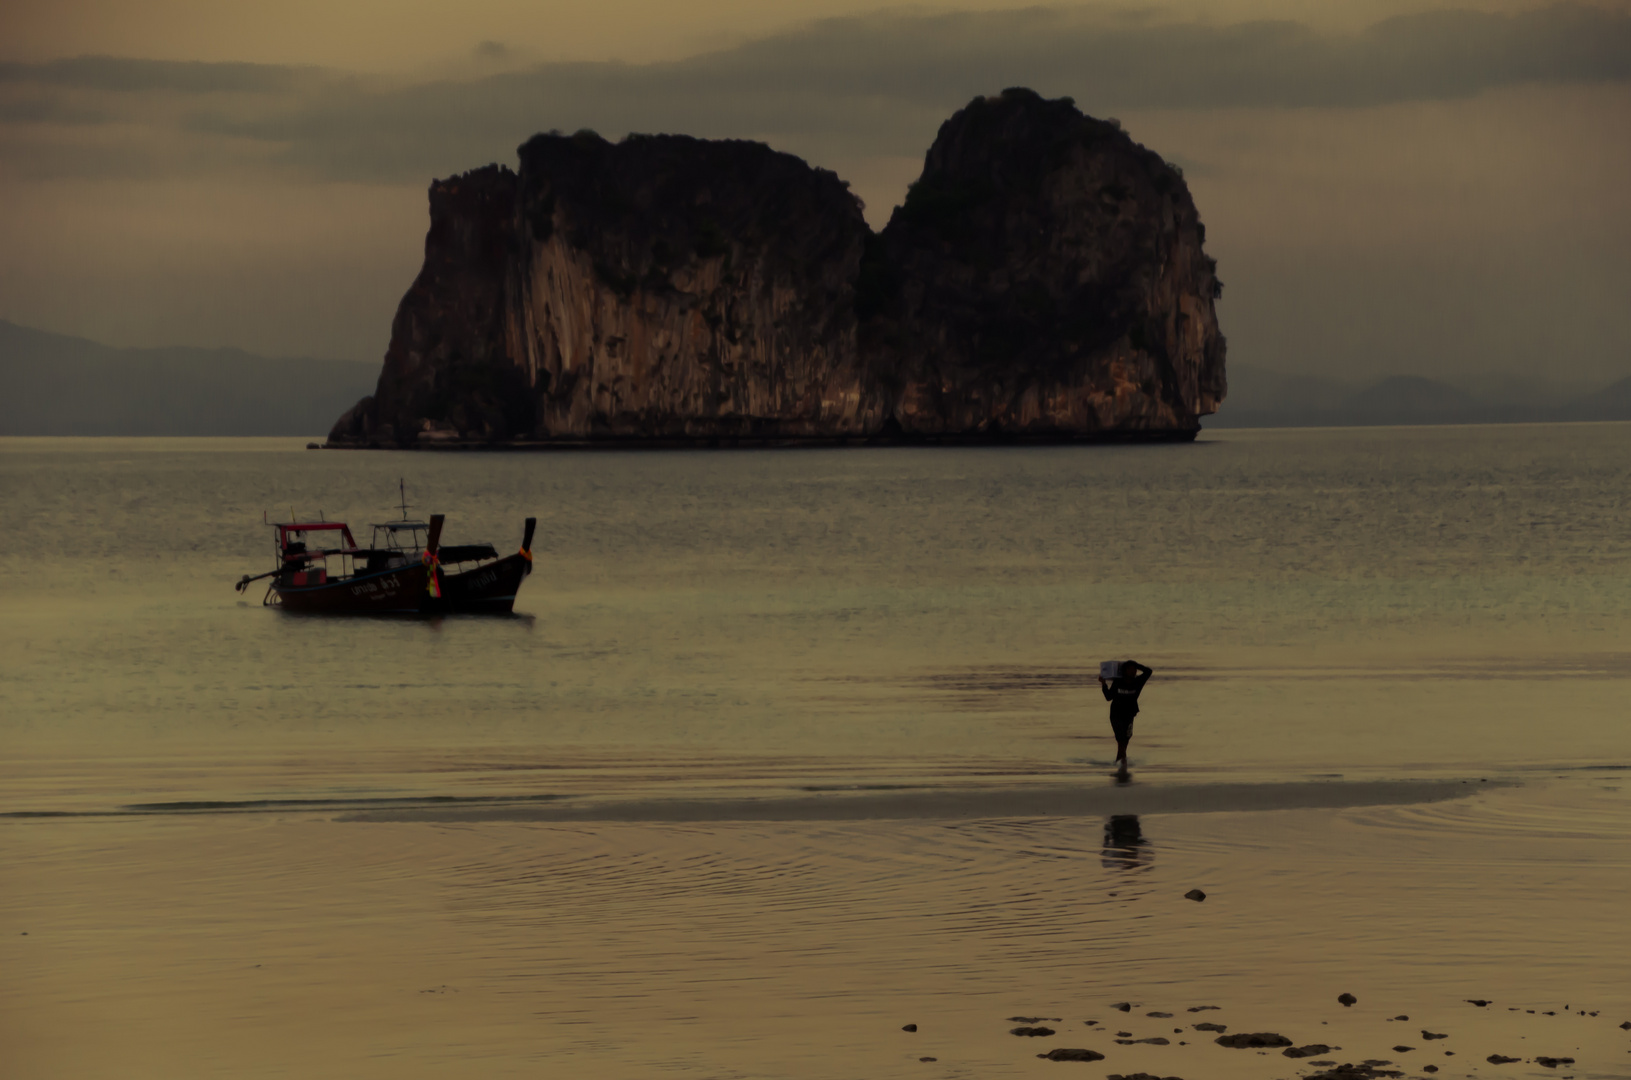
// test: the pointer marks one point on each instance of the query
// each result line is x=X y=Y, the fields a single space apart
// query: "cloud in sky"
x=839 y=87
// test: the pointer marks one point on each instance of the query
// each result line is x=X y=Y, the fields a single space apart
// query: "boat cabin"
x=303 y=549
x=396 y=543
x=408 y=538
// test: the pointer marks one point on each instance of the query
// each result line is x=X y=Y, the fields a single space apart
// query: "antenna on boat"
x=402 y=487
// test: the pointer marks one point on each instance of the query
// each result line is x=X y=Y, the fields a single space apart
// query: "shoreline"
x=938 y=804
x=1108 y=437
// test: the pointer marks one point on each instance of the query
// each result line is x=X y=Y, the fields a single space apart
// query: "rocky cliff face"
x=1045 y=276
x=1045 y=279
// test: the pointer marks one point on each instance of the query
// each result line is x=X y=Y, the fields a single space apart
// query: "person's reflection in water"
x=1124 y=843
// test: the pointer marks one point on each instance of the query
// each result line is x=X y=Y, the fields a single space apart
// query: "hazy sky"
x=1388 y=187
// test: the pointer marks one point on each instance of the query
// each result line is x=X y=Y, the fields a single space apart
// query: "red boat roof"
x=284 y=528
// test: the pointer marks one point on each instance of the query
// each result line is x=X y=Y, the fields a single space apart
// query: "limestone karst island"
x=1045 y=280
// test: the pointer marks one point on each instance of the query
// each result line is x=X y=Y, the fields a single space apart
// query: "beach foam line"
x=958 y=804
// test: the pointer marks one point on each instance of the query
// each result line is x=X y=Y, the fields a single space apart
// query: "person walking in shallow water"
x=1122 y=694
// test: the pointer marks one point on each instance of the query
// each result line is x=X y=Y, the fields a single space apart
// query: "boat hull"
x=488 y=589
x=400 y=591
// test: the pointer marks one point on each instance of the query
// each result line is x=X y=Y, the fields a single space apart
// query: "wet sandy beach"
x=355 y=945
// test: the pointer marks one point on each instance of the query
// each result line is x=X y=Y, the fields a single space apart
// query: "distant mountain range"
x=52 y=384
x=1260 y=398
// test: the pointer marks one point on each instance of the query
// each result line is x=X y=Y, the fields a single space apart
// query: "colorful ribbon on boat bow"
x=432 y=573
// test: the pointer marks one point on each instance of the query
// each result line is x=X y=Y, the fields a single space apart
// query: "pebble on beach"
x=1204 y=1008
x=1219 y=1028
x=1346 y=999
x=1431 y=1035
x=1480 y=1002
x=1195 y=895
x=1552 y=1062
x=1403 y=1049
x=1158 y=1040
x=1311 y=1050
x=928 y=1059
x=1140 y=1076
x=1252 y=1040
x=1160 y=1015
x=909 y=1027
x=1501 y=1059
x=1032 y=1032
x=1071 y=1053
x=1124 y=1006
x=1363 y=1071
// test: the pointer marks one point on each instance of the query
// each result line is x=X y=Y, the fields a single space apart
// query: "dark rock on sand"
x=909 y=1027
x=1501 y=1059
x=928 y=1059
x=1219 y=1028
x=1346 y=999
x=1429 y=1068
x=1552 y=1062
x=1156 y=1041
x=1431 y=1035
x=1403 y=1049
x=1480 y=1002
x=1124 y=1006
x=1140 y=1076
x=1311 y=1050
x=1626 y=1026
x=1195 y=894
x=1401 y=1016
x=1362 y=1071
x=1160 y=1015
x=1253 y=1040
x=1071 y=1053
x=1124 y=1034
x=1031 y=1019
x=1204 y=1008
x=1032 y=1032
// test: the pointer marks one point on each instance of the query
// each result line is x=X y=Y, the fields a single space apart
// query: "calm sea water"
x=1363 y=602
x=1318 y=605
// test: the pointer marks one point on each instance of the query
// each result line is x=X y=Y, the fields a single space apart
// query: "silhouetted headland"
x=1045 y=280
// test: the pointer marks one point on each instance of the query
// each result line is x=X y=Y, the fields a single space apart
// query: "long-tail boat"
x=401 y=572
x=482 y=583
